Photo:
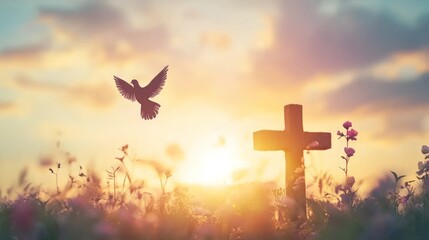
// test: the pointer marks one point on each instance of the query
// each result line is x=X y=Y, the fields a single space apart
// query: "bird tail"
x=149 y=109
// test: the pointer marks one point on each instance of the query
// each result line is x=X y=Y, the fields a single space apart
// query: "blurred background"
x=233 y=66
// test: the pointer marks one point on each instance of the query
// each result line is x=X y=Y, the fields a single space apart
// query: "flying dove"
x=149 y=109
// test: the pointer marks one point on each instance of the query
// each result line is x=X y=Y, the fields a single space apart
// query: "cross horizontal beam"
x=271 y=140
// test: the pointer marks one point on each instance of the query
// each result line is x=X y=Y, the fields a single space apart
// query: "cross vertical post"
x=293 y=141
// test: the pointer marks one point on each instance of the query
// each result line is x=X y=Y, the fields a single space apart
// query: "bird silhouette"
x=149 y=109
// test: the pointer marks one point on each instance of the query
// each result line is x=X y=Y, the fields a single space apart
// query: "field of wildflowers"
x=86 y=208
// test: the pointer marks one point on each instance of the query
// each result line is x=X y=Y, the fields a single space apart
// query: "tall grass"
x=397 y=208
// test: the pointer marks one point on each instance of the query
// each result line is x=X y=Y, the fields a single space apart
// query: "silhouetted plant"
x=56 y=176
x=111 y=175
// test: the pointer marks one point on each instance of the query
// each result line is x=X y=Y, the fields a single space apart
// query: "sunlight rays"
x=212 y=165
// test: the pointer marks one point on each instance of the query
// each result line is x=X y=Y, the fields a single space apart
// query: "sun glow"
x=211 y=166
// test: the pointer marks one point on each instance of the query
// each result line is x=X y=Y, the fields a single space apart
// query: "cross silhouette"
x=293 y=141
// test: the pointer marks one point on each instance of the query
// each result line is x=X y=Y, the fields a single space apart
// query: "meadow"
x=113 y=205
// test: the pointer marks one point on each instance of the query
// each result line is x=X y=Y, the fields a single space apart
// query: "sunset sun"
x=211 y=166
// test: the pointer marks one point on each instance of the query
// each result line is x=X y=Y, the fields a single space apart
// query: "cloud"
x=378 y=94
x=23 y=52
x=96 y=95
x=309 y=41
x=106 y=28
x=399 y=103
x=403 y=125
x=99 y=96
x=31 y=84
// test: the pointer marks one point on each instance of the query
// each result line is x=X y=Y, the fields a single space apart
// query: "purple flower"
x=425 y=149
x=349 y=151
x=350 y=181
x=347 y=124
x=351 y=134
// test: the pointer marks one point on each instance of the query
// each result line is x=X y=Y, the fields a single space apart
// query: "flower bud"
x=347 y=124
x=349 y=151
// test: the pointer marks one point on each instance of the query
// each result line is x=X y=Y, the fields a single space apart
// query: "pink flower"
x=350 y=182
x=349 y=151
x=351 y=134
x=347 y=124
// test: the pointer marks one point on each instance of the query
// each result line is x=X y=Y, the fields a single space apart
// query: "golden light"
x=210 y=166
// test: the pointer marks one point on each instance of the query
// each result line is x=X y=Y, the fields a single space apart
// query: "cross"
x=293 y=141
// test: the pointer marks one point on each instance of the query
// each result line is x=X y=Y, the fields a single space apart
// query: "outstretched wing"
x=125 y=89
x=155 y=86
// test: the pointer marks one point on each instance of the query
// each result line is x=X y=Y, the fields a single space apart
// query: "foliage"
x=398 y=208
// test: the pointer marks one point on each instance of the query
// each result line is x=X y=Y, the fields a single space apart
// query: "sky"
x=233 y=65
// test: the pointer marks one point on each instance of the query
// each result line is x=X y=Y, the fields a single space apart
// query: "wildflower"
x=349 y=151
x=350 y=181
x=347 y=125
x=423 y=167
x=351 y=134
x=425 y=149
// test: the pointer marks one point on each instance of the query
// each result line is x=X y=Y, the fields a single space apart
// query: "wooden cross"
x=293 y=141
